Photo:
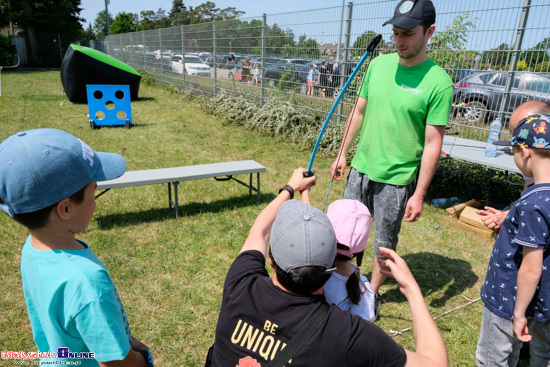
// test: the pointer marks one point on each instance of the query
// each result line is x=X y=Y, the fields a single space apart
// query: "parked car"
x=193 y=65
x=481 y=93
x=459 y=74
x=273 y=73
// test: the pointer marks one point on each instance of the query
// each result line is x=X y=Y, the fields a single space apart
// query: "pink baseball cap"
x=351 y=222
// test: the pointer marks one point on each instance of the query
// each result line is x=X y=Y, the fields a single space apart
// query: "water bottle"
x=445 y=202
x=494 y=134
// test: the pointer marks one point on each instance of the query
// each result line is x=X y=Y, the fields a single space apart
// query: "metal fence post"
x=144 y=52
x=160 y=52
x=346 y=58
x=264 y=43
x=214 y=52
x=183 y=52
x=515 y=56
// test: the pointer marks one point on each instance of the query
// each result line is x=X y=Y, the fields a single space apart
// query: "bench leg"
x=175 y=202
x=176 y=197
x=250 y=186
x=259 y=199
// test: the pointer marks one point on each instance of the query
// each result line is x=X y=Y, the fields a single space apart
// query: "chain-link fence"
x=496 y=51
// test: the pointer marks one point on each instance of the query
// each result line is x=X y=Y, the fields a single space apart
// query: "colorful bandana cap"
x=532 y=132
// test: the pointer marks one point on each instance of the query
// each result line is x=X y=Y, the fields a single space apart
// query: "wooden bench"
x=173 y=176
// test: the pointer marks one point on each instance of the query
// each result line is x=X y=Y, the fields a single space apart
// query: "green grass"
x=170 y=272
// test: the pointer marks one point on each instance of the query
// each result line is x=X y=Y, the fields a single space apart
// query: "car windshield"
x=193 y=59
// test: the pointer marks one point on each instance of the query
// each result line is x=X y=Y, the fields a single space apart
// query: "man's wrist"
x=288 y=188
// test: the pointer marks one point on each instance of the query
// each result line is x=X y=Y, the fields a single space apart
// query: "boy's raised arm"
x=261 y=229
x=430 y=347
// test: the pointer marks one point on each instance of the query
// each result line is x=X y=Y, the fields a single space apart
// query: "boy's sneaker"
x=377 y=305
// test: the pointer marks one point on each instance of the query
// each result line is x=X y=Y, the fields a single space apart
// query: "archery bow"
x=372 y=45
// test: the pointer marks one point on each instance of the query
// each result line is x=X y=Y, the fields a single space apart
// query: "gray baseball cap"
x=302 y=236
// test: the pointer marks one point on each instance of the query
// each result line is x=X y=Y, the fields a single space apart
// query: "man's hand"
x=300 y=183
x=492 y=217
x=413 y=209
x=338 y=168
x=520 y=329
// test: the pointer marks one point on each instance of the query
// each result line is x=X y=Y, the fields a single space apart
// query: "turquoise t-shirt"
x=73 y=303
x=401 y=102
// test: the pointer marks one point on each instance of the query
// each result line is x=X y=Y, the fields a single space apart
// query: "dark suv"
x=273 y=73
x=482 y=93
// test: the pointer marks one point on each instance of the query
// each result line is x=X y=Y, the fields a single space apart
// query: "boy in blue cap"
x=516 y=291
x=47 y=183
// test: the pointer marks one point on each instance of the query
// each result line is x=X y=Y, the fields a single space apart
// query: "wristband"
x=289 y=189
x=148 y=358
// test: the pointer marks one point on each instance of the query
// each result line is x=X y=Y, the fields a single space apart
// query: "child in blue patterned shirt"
x=516 y=292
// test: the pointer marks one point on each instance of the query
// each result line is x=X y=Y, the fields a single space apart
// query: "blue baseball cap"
x=532 y=132
x=41 y=167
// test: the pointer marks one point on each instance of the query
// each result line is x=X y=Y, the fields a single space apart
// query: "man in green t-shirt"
x=402 y=126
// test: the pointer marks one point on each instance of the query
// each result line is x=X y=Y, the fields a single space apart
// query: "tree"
x=447 y=48
x=229 y=13
x=497 y=58
x=44 y=17
x=89 y=33
x=361 y=43
x=537 y=54
x=7 y=51
x=307 y=48
x=179 y=15
x=100 y=23
x=124 y=23
x=205 y=12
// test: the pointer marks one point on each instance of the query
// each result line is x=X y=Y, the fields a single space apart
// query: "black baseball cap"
x=410 y=13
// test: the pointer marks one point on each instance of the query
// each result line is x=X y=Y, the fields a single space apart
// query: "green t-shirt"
x=401 y=101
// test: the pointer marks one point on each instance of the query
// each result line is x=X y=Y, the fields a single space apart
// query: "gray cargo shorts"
x=386 y=204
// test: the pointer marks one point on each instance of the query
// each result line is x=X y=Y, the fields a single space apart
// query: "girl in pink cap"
x=347 y=287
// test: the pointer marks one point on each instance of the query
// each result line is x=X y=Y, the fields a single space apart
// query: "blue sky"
x=251 y=7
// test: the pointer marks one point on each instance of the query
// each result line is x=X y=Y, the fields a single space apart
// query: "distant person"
x=310 y=76
x=47 y=184
x=336 y=72
x=324 y=79
x=246 y=70
x=402 y=126
x=256 y=74
x=260 y=315
x=516 y=291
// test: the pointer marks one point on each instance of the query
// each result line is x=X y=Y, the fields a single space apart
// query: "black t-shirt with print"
x=257 y=319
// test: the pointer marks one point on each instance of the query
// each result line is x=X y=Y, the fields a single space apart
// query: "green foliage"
x=470 y=181
x=232 y=107
x=100 y=23
x=7 y=51
x=499 y=56
x=44 y=16
x=361 y=43
x=124 y=23
x=543 y=67
x=287 y=81
x=146 y=78
x=538 y=54
x=307 y=48
x=447 y=48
